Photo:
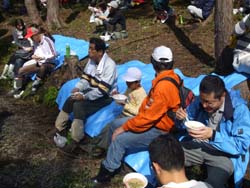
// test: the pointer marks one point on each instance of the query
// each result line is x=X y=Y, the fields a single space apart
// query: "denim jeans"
x=127 y=142
x=104 y=138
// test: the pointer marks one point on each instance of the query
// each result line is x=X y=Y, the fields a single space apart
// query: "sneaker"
x=35 y=85
x=3 y=77
x=13 y=92
x=69 y=147
x=106 y=37
x=19 y=95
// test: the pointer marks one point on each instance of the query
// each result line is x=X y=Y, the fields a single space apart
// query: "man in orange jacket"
x=151 y=121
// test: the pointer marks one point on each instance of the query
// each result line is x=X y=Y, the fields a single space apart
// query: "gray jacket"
x=98 y=80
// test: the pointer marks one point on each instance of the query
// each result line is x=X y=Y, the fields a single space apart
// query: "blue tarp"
x=78 y=47
x=138 y=161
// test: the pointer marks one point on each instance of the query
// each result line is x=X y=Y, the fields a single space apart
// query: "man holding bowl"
x=222 y=145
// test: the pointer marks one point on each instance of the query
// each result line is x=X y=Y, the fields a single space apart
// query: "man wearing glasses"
x=222 y=145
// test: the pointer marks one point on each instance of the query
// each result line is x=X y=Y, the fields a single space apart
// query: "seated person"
x=222 y=145
x=150 y=122
x=241 y=38
x=21 y=55
x=100 y=10
x=114 y=18
x=167 y=159
x=90 y=94
x=201 y=9
x=42 y=61
x=135 y=93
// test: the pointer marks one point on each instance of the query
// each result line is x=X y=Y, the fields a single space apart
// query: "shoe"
x=59 y=140
x=51 y=133
x=69 y=148
x=105 y=37
x=104 y=176
x=3 y=77
x=12 y=92
x=98 y=152
x=35 y=85
x=19 y=95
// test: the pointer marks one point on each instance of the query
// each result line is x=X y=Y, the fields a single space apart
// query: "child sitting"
x=136 y=94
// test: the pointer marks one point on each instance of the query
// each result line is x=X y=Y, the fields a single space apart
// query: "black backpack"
x=186 y=95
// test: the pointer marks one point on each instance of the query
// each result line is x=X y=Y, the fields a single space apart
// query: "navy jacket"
x=206 y=6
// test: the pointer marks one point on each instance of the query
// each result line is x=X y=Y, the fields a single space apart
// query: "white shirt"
x=188 y=184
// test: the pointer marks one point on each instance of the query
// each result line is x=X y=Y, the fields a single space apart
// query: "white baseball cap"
x=162 y=54
x=133 y=74
x=113 y=4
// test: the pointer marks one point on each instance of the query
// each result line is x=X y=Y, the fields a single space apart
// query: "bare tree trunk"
x=33 y=11
x=223 y=25
x=53 y=19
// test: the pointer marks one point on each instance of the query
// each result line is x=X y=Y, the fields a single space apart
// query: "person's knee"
x=79 y=110
x=221 y=178
x=77 y=130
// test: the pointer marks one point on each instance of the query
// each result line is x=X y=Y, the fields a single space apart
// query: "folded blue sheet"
x=138 y=161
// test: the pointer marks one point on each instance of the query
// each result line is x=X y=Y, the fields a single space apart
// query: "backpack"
x=186 y=95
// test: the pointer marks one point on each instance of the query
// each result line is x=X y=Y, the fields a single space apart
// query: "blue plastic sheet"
x=138 y=161
x=78 y=47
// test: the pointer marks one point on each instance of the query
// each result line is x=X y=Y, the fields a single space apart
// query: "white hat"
x=133 y=74
x=113 y=4
x=162 y=54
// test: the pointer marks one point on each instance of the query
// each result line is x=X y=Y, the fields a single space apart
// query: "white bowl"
x=195 y=125
x=135 y=180
x=120 y=98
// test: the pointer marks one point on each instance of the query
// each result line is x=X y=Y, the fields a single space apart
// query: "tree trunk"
x=53 y=19
x=33 y=11
x=69 y=70
x=244 y=88
x=223 y=25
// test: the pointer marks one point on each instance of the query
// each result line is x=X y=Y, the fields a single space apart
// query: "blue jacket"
x=206 y=6
x=234 y=135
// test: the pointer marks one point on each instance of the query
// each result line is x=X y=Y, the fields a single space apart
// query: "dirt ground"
x=27 y=157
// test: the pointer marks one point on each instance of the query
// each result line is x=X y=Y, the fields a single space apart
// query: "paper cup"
x=135 y=180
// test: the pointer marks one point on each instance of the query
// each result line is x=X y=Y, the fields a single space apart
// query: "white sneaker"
x=3 y=77
x=235 y=11
x=105 y=37
x=19 y=95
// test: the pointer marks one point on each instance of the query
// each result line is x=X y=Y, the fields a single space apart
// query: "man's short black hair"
x=212 y=84
x=99 y=44
x=159 y=66
x=167 y=152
